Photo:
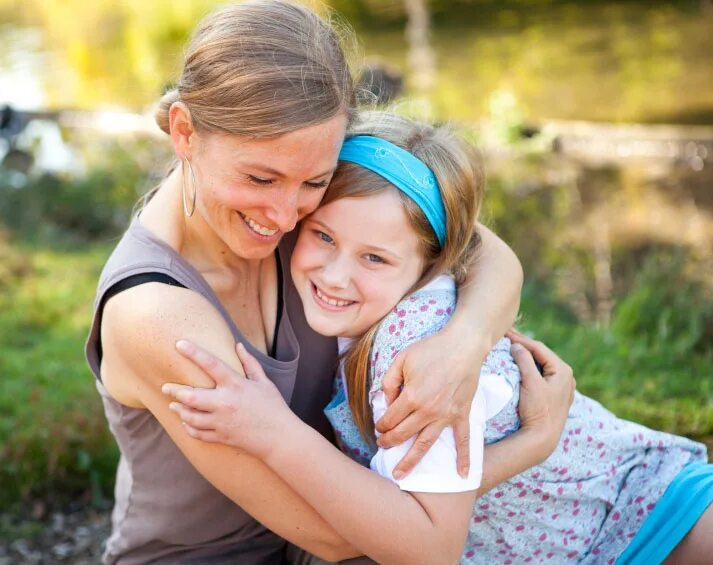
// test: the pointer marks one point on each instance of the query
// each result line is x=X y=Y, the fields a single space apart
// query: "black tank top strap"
x=280 y=304
x=130 y=282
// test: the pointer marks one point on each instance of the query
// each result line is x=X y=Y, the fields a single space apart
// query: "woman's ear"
x=182 y=132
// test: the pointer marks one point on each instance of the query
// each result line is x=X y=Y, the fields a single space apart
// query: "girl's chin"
x=325 y=327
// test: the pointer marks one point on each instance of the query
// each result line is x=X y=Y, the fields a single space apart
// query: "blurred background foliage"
x=617 y=245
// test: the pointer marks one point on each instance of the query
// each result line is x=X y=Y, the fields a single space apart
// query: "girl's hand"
x=544 y=399
x=243 y=412
x=430 y=386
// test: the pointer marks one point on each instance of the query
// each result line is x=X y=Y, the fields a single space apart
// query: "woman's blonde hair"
x=262 y=68
x=457 y=167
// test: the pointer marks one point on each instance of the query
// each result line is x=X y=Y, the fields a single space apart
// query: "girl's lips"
x=326 y=305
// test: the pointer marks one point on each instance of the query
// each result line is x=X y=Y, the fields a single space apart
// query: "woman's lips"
x=257 y=230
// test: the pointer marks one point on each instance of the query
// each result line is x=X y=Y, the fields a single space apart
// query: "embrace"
x=303 y=345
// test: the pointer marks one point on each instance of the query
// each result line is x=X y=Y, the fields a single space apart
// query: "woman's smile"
x=262 y=232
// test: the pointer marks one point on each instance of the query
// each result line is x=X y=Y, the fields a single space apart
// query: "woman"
x=591 y=501
x=257 y=122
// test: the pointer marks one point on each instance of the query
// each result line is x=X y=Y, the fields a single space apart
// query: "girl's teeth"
x=332 y=301
x=262 y=230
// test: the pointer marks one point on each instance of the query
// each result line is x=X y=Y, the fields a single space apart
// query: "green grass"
x=53 y=439
x=54 y=442
x=638 y=380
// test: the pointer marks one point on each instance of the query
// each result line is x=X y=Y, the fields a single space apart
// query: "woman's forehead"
x=307 y=152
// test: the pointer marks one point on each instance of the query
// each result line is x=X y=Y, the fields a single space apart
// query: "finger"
x=526 y=363
x=424 y=441
x=542 y=354
x=253 y=369
x=207 y=436
x=211 y=365
x=461 y=435
x=396 y=413
x=393 y=380
x=194 y=418
x=202 y=399
x=412 y=425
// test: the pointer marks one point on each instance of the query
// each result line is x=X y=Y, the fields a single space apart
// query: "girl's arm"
x=140 y=328
x=438 y=389
x=386 y=523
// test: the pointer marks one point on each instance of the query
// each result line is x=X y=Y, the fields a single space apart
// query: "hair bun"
x=164 y=105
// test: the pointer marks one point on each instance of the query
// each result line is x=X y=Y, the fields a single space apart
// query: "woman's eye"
x=323 y=236
x=374 y=258
x=259 y=180
x=320 y=184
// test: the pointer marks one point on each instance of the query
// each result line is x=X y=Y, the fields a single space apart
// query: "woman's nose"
x=284 y=211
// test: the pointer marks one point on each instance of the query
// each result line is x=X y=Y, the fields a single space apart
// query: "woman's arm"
x=438 y=389
x=139 y=332
x=386 y=523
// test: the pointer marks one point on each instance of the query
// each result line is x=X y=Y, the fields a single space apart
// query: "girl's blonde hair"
x=457 y=167
x=262 y=68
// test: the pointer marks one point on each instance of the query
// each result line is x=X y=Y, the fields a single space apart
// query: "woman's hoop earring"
x=188 y=212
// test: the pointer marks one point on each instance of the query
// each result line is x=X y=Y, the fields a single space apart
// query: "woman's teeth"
x=257 y=228
x=332 y=301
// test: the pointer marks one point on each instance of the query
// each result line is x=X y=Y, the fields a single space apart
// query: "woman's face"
x=354 y=260
x=251 y=191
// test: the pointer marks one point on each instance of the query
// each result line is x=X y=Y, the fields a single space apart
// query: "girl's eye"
x=323 y=236
x=259 y=180
x=374 y=258
x=320 y=184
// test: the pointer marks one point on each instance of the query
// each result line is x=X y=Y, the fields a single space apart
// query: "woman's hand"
x=430 y=386
x=545 y=398
x=243 y=412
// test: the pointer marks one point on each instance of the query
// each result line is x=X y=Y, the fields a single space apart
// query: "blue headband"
x=402 y=169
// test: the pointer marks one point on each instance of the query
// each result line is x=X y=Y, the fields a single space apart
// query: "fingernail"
x=398 y=475
x=173 y=406
x=464 y=472
x=182 y=345
x=515 y=347
x=166 y=389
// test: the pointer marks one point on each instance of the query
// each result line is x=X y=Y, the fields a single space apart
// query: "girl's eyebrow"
x=325 y=226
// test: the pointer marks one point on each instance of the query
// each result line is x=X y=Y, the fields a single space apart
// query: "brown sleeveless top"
x=165 y=511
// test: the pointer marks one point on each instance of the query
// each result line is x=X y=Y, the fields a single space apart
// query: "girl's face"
x=354 y=260
x=252 y=191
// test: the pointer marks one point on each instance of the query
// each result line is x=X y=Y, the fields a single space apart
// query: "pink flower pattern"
x=584 y=504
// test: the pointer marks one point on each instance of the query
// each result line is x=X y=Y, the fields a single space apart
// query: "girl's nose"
x=335 y=273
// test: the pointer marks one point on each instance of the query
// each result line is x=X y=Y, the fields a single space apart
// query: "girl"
x=395 y=222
